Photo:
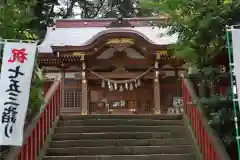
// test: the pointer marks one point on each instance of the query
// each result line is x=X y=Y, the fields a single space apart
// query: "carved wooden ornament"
x=120 y=44
x=120 y=41
x=78 y=54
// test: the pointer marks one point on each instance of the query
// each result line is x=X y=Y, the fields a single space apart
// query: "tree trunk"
x=70 y=9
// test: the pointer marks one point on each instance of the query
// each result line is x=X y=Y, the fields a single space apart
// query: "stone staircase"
x=121 y=137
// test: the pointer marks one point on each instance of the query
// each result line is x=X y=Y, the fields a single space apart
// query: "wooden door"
x=137 y=101
x=72 y=95
x=144 y=96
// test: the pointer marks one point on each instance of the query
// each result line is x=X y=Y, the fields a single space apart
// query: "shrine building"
x=113 y=66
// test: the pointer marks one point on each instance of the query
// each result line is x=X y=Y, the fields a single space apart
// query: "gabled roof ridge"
x=106 y=22
x=156 y=18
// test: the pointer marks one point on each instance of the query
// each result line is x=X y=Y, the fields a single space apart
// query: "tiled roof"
x=81 y=36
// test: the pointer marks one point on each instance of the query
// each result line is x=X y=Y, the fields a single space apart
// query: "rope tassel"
x=113 y=84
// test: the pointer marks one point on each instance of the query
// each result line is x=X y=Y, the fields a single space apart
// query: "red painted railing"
x=209 y=144
x=36 y=132
x=47 y=85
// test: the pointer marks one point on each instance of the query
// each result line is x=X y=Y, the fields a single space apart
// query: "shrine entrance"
x=121 y=101
x=111 y=66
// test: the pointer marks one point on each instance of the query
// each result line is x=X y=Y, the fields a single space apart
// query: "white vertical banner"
x=236 y=59
x=15 y=82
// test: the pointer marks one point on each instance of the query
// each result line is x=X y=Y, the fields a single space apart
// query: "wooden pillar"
x=156 y=84
x=84 y=97
x=84 y=89
x=156 y=93
x=62 y=88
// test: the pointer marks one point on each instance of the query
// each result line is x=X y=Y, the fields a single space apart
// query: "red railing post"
x=44 y=117
x=53 y=108
x=37 y=138
x=41 y=125
x=34 y=143
x=199 y=125
x=29 y=147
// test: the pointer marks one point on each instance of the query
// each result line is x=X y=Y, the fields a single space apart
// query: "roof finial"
x=120 y=19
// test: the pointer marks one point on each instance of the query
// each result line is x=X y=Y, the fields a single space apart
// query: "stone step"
x=121 y=150
x=118 y=128
x=117 y=135
x=120 y=142
x=126 y=157
x=120 y=137
x=153 y=117
x=109 y=122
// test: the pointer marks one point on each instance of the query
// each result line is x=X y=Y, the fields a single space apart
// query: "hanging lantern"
x=126 y=86
x=131 y=86
x=121 y=88
x=115 y=86
x=139 y=82
x=103 y=84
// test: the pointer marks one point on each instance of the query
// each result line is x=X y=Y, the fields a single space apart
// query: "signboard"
x=16 y=74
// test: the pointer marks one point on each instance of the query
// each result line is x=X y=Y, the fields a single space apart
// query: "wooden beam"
x=127 y=61
x=79 y=70
x=123 y=75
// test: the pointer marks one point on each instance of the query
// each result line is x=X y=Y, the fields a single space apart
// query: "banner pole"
x=1 y=50
x=3 y=41
x=235 y=100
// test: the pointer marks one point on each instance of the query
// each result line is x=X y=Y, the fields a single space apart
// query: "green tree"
x=44 y=14
x=45 y=11
x=200 y=25
x=15 y=17
x=220 y=114
x=98 y=8
x=14 y=20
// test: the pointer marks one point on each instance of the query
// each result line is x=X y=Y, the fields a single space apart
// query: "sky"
x=64 y=4
x=76 y=10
